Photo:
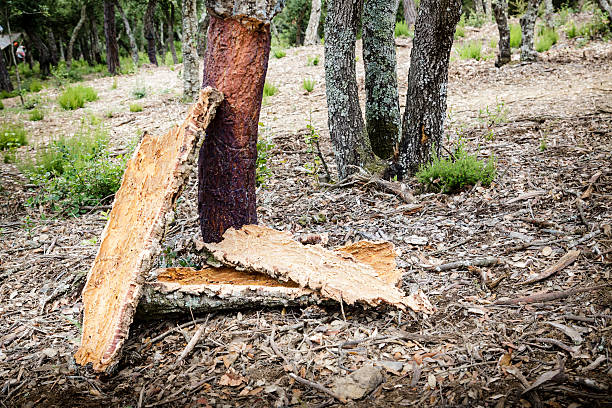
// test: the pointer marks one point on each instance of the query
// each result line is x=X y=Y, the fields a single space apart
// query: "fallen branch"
x=535 y=398
x=548 y=296
x=192 y=343
x=486 y=261
x=572 y=350
x=565 y=261
x=317 y=387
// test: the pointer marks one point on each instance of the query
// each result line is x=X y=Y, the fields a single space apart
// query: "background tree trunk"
x=382 y=112
x=130 y=34
x=95 y=41
x=500 y=8
x=346 y=128
x=202 y=33
x=61 y=48
x=527 y=28
x=5 y=79
x=409 y=12
x=170 y=32
x=478 y=6
x=423 y=123
x=548 y=13
x=110 y=32
x=311 y=36
x=488 y=10
x=606 y=7
x=162 y=46
x=190 y=54
x=52 y=48
x=86 y=51
x=149 y=31
x=44 y=57
x=75 y=32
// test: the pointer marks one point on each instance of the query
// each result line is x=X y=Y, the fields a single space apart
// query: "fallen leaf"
x=231 y=379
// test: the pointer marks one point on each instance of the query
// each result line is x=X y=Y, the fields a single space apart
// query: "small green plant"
x=75 y=97
x=36 y=114
x=543 y=143
x=470 y=50
x=572 y=31
x=597 y=27
x=308 y=84
x=449 y=175
x=1 y=105
x=312 y=139
x=35 y=85
x=402 y=30
x=114 y=85
x=31 y=102
x=12 y=136
x=279 y=53
x=264 y=145
x=494 y=116
x=547 y=37
x=493 y=43
x=269 y=89
x=139 y=91
x=515 y=36
x=459 y=32
x=135 y=107
x=109 y=114
x=476 y=19
x=313 y=61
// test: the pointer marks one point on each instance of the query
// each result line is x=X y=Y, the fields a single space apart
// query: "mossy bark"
x=528 y=53
x=382 y=112
x=423 y=122
x=500 y=9
x=346 y=126
x=110 y=32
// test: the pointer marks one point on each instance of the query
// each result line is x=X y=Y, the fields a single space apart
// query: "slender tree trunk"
x=489 y=10
x=202 y=33
x=299 y=40
x=95 y=40
x=527 y=28
x=73 y=37
x=346 y=127
x=52 y=48
x=5 y=79
x=149 y=31
x=410 y=13
x=478 y=6
x=311 y=36
x=423 y=123
x=110 y=32
x=130 y=34
x=44 y=57
x=86 y=50
x=61 y=48
x=190 y=53
x=162 y=48
x=382 y=113
x=500 y=8
x=548 y=13
x=235 y=63
x=170 y=32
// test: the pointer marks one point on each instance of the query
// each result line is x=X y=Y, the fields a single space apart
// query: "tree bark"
x=44 y=57
x=202 y=33
x=75 y=32
x=52 y=48
x=489 y=10
x=61 y=48
x=5 y=79
x=500 y=9
x=86 y=51
x=190 y=54
x=235 y=63
x=163 y=47
x=95 y=40
x=423 y=123
x=548 y=13
x=528 y=53
x=382 y=113
x=478 y=6
x=410 y=13
x=110 y=32
x=170 y=31
x=130 y=34
x=311 y=37
x=149 y=31
x=346 y=127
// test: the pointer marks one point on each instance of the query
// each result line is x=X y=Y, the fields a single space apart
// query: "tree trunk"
x=423 y=123
x=61 y=48
x=500 y=8
x=311 y=36
x=527 y=28
x=73 y=37
x=170 y=32
x=52 y=48
x=202 y=33
x=86 y=50
x=190 y=54
x=346 y=127
x=5 y=79
x=489 y=10
x=149 y=31
x=95 y=41
x=235 y=63
x=110 y=32
x=409 y=12
x=382 y=113
x=478 y=6
x=548 y=13
x=130 y=34
x=44 y=57
x=606 y=7
x=162 y=46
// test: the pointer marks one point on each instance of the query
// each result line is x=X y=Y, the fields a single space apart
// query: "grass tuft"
x=12 y=136
x=75 y=97
x=547 y=37
x=470 y=50
x=515 y=36
x=135 y=107
x=308 y=84
x=402 y=30
x=36 y=115
x=269 y=89
x=279 y=53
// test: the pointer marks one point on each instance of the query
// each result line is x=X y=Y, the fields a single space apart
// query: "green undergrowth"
x=36 y=114
x=12 y=136
x=515 y=35
x=470 y=50
x=76 y=96
x=547 y=37
x=264 y=146
x=308 y=84
x=402 y=30
x=135 y=107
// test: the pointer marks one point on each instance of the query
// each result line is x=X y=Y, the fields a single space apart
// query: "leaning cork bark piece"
x=151 y=183
x=335 y=275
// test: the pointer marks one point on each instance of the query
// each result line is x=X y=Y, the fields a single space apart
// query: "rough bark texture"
x=311 y=37
x=236 y=62
x=410 y=13
x=95 y=40
x=149 y=31
x=423 y=123
x=170 y=32
x=191 y=80
x=549 y=9
x=528 y=53
x=500 y=8
x=382 y=113
x=130 y=241
x=130 y=34
x=73 y=37
x=5 y=79
x=334 y=275
x=110 y=32
x=52 y=48
x=346 y=127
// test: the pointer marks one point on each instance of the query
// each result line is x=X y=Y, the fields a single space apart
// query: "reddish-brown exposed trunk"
x=235 y=63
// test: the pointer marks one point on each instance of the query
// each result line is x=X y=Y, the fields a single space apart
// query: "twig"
x=274 y=347
x=192 y=343
x=486 y=261
x=463 y=241
x=173 y=330
x=565 y=261
x=317 y=387
x=560 y=344
x=548 y=296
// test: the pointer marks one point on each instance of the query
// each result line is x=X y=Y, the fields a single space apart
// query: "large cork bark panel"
x=151 y=183
x=334 y=275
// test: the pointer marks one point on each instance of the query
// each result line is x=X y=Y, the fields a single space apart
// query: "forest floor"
x=549 y=125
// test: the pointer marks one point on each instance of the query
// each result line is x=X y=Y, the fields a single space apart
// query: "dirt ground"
x=553 y=194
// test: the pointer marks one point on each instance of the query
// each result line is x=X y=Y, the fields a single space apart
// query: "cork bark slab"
x=151 y=183
x=334 y=275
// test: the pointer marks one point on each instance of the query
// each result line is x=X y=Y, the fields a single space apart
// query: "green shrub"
x=6 y=94
x=308 y=84
x=75 y=97
x=449 y=175
x=572 y=31
x=135 y=107
x=476 y=19
x=269 y=89
x=547 y=37
x=314 y=61
x=36 y=115
x=459 y=32
x=140 y=91
x=402 y=30
x=470 y=50
x=264 y=145
x=278 y=53
x=598 y=27
x=12 y=136
x=515 y=36
x=35 y=85
x=31 y=103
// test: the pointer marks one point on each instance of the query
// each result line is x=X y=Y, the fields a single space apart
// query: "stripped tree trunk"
x=149 y=31
x=527 y=28
x=190 y=54
x=130 y=34
x=382 y=113
x=423 y=123
x=500 y=8
x=311 y=36
x=75 y=32
x=346 y=127
x=410 y=13
x=52 y=48
x=95 y=40
x=202 y=33
x=5 y=79
x=235 y=63
x=170 y=31
x=110 y=32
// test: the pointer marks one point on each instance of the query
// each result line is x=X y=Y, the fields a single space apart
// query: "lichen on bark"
x=500 y=9
x=528 y=53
